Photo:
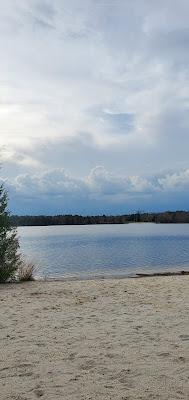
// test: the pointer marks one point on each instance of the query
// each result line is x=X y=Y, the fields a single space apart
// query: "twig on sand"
x=144 y=275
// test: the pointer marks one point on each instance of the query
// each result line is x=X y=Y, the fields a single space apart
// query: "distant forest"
x=43 y=220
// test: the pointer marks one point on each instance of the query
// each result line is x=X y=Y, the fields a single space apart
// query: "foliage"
x=26 y=271
x=9 y=245
x=42 y=220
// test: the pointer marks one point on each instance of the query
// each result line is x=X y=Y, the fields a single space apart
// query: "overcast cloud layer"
x=94 y=105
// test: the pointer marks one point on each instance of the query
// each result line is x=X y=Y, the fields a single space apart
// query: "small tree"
x=9 y=245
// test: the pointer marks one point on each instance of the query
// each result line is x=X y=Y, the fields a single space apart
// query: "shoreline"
x=97 y=278
x=112 y=277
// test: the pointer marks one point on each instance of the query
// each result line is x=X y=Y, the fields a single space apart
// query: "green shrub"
x=9 y=246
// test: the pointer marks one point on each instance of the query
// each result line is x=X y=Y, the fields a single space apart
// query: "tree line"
x=43 y=220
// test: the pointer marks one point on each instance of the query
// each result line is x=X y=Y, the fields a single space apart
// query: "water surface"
x=106 y=250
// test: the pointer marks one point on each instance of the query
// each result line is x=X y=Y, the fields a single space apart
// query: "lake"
x=106 y=250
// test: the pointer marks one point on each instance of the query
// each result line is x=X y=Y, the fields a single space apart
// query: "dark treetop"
x=163 y=217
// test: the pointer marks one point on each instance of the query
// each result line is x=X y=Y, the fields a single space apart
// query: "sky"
x=94 y=105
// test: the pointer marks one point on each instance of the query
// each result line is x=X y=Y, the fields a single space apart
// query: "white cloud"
x=99 y=181
x=56 y=182
x=58 y=191
x=99 y=83
x=175 y=181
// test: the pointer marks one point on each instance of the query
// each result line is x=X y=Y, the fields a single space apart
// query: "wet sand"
x=97 y=339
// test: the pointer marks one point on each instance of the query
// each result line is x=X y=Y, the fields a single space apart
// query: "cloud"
x=56 y=182
x=100 y=190
x=95 y=83
x=175 y=181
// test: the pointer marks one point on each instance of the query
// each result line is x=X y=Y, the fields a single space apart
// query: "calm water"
x=104 y=250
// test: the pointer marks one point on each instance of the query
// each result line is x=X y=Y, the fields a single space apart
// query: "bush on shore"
x=12 y=266
x=9 y=246
x=26 y=272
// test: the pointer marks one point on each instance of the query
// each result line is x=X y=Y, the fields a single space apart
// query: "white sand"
x=104 y=339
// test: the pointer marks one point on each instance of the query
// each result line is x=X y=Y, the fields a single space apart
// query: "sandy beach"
x=100 y=339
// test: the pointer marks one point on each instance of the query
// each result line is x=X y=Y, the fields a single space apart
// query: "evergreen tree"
x=9 y=245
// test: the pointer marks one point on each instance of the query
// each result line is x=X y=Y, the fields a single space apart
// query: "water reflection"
x=106 y=249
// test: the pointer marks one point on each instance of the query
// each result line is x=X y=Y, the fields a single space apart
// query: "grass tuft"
x=26 y=271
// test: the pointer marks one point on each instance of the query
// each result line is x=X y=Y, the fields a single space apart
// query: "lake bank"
x=95 y=339
x=112 y=277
